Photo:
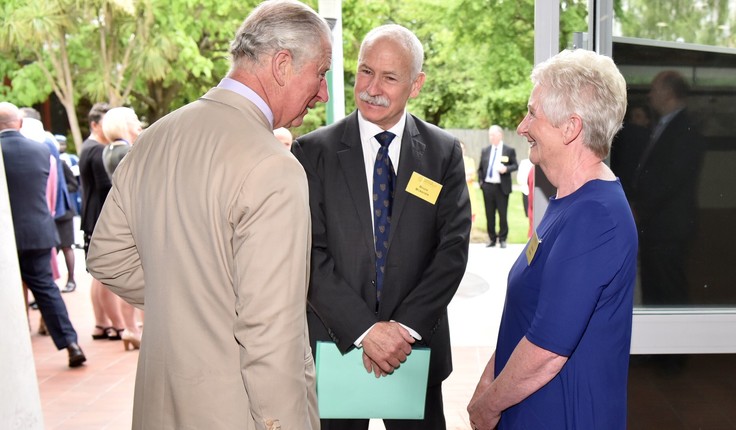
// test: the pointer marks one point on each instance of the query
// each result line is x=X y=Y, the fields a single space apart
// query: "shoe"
x=42 y=327
x=76 y=356
x=131 y=339
x=491 y=244
x=102 y=334
x=70 y=287
x=503 y=244
x=113 y=333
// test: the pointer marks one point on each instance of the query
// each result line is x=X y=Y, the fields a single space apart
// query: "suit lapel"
x=352 y=165
x=410 y=161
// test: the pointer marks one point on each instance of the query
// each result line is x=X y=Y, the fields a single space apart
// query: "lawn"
x=518 y=222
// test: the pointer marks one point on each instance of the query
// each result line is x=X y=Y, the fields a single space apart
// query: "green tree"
x=74 y=48
x=703 y=21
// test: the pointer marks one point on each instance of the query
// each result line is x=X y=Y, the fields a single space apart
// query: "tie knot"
x=385 y=138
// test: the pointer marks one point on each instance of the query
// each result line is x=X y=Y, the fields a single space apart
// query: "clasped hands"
x=385 y=347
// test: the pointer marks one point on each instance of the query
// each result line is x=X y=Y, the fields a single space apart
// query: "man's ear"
x=572 y=128
x=416 y=86
x=281 y=66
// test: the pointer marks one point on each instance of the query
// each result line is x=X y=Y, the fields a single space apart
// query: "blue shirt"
x=575 y=299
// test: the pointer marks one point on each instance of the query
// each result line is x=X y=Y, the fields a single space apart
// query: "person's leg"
x=493 y=208
x=434 y=414
x=65 y=228
x=71 y=284
x=36 y=273
x=490 y=219
x=102 y=322
x=111 y=306
x=132 y=333
x=503 y=207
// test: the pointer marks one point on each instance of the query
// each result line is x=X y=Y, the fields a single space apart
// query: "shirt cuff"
x=359 y=341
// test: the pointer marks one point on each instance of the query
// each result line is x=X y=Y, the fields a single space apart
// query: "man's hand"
x=385 y=347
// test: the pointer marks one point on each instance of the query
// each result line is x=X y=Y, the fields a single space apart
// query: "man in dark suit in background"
x=665 y=186
x=497 y=161
x=388 y=251
x=27 y=165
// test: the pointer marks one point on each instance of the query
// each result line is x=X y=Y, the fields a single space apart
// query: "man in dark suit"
x=27 y=165
x=497 y=161
x=665 y=187
x=385 y=265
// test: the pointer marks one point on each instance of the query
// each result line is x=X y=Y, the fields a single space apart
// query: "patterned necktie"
x=383 y=195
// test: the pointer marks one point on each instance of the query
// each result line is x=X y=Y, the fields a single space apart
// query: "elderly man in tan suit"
x=207 y=226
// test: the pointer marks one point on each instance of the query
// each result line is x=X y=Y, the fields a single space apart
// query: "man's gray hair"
x=279 y=25
x=588 y=84
x=405 y=37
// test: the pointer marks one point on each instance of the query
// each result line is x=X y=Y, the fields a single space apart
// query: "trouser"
x=35 y=270
x=496 y=201
x=434 y=417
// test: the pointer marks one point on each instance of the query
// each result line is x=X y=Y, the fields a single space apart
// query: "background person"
x=221 y=264
x=665 y=188
x=497 y=161
x=95 y=186
x=121 y=128
x=284 y=136
x=385 y=269
x=562 y=355
x=26 y=169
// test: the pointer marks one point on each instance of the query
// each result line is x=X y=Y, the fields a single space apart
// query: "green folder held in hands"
x=346 y=390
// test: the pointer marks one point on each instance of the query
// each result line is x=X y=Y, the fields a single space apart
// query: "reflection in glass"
x=706 y=22
x=682 y=392
x=679 y=172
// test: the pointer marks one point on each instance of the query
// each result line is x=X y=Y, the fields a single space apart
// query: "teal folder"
x=346 y=390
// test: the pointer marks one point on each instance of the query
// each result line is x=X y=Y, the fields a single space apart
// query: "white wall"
x=20 y=403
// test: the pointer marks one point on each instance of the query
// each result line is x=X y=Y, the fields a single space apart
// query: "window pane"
x=682 y=392
x=676 y=157
x=706 y=22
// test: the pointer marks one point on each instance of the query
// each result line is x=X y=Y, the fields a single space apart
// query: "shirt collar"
x=243 y=90
x=369 y=130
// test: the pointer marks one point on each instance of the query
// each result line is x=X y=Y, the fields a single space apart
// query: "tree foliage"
x=704 y=22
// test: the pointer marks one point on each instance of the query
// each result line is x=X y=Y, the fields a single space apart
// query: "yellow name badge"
x=424 y=188
x=532 y=248
x=505 y=159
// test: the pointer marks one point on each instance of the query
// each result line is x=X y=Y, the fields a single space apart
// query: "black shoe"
x=70 y=287
x=503 y=244
x=491 y=244
x=76 y=356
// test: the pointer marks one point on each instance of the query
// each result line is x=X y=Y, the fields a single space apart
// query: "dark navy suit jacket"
x=509 y=162
x=27 y=166
x=428 y=243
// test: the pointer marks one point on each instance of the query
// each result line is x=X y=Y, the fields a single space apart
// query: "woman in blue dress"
x=561 y=360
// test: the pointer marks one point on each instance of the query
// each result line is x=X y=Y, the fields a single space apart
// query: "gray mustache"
x=374 y=100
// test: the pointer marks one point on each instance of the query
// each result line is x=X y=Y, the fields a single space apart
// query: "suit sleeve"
x=512 y=165
x=482 y=167
x=113 y=256
x=428 y=300
x=271 y=265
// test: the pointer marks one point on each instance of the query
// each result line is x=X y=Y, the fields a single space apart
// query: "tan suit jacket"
x=207 y=226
